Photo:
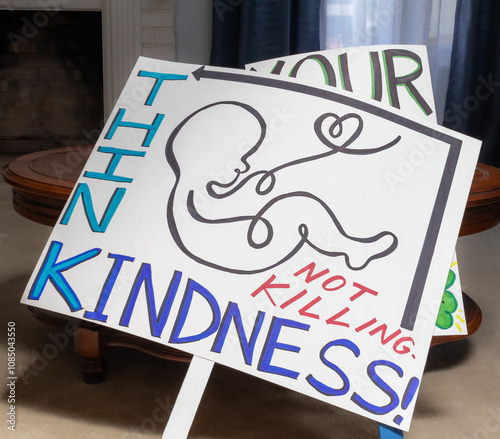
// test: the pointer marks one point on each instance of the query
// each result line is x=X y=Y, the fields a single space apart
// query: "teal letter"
x=160 y=77
x=151 y=129
x=51 y=270
x=83 y=190
x=117 y=155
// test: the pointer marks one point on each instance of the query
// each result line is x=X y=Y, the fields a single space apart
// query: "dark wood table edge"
x=91 y=342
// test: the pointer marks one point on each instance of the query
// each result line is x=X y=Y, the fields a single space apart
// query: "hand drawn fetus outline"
x=264 y=186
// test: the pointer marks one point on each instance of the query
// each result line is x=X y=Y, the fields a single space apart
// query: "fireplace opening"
x=51 y=79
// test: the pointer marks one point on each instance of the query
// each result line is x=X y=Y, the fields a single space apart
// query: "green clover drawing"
x=449 y=304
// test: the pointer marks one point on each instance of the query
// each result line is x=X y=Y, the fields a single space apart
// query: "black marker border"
x=455 y=147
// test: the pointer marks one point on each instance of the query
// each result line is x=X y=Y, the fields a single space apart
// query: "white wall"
x=193 y=31
x=158 y=34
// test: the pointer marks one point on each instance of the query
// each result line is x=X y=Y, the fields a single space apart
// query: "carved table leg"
x=87 y=346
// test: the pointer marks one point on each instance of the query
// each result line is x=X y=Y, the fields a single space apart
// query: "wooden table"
x=42 y=182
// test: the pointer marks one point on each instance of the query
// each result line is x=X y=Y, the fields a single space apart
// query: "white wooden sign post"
x=245 y=218
x=186 y=404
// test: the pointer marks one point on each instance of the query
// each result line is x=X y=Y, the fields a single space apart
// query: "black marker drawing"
x=254 y=239
x=448 y=173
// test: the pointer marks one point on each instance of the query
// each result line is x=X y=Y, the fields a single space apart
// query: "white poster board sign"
x=246 y=219
x=398 y=76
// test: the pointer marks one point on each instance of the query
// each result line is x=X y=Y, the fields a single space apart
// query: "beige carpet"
x=459 y=397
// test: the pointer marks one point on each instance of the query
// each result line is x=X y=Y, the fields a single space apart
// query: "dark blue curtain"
x=473 y=98
x=245 y=31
